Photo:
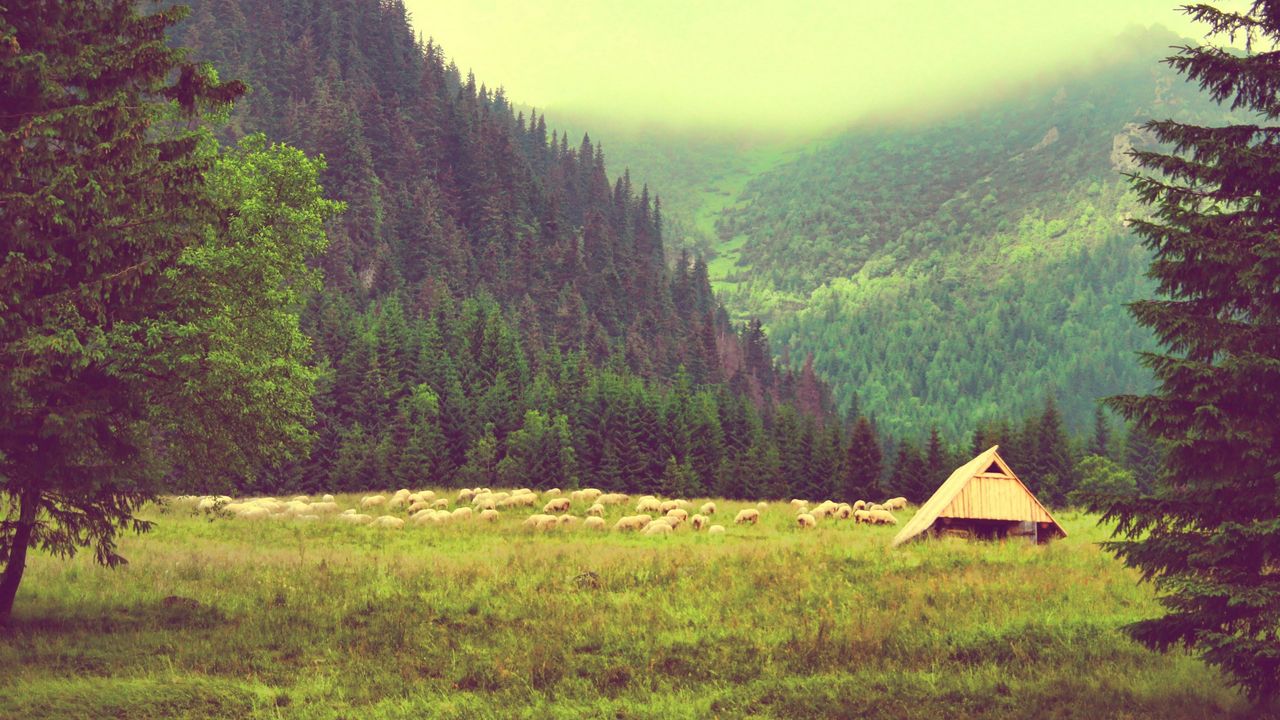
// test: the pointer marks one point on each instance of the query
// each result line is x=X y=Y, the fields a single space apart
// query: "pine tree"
x=1206 y=532
x=862 y=466
x=1100 y=443
x=937 y=463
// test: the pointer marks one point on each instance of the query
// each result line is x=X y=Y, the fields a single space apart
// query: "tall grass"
x=472 y=620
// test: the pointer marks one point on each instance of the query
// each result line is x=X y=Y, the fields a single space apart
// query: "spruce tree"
x=1206 y=534
x=862 y=466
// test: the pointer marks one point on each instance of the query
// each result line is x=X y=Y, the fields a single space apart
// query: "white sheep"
x=798 y=503
x=206 y=503
x=749 y=515
x=387 y=521
x=698 y=521
x=540 y=522
x=883 y=517
x=553 y=492
x=566 y=520
x=322 y=508
x=658 y=527
x=762 y=506
x=875 y=507
x=668 y=505
x=632 y=522
x=708 y=508
x=862 y=516
x=715 y=530
x=860 y=505
x=594 y=523
x=369 y=501
x=489 y=515
x=680 y=513
x=649 y=504
x=441 y=504
x=805 y=520
x=465 y=495
x=462 y=513
x=301 y=498
x=327 y=498
x=356 y=519
x=897 y=503
x=596 y=510
x=844 y=511
x=557 y=505
x=613 y=498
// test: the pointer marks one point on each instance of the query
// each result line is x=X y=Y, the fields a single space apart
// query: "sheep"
x=875 y=507
x=207 y=503
x=465 y=495
x=597 y=510
x=327 y=498
x=805 y=520
x=613 y=498
x=519 y=500
x=565 y=520
x=668 y=505
x=860 y=505
x=462 y=513
x=441 y=504
x=658 y=527
x=322 y=508
x=750 y=515
x=798 y=503
x=673 y=520
x=897 y=503
x=489 y=515
x=825 y=508
x=708 y=508
x=254 y=512
x=715 y=530
x=762 y=506
x=540 y=522
x=356 y=519
x=631 y=522
x=308 y=517
x=557 y=505
x=418 y=505
x=818 y=512
x=698 y=522
x=862 y=516
x=594 y=523
x=301 y=498
x=372 y=501
x=349 y=511
x=553 y=492
x=883 y=517
x=422 y=517
x=678 y=513
x=649 y=505
x=387 y=521
x=489 y=502
x=844 y=511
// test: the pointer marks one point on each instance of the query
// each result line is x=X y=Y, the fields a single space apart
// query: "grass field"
x=471 y=620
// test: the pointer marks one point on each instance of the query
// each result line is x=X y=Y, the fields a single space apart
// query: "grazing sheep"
x=441 y=504
x=631 y=522
x=678 y=513
x=862 y=516
x=422 y=517
x=465 y=495
x=540 y=522
x=844 y=512
x=301 y=498
x=860 y=505
x=818 y=512
x=207 y=503
x=805 y=520
x=698 y=521
x=762 y=505
x=462 y=513
x=613 y=498
x=875 y=507
x=594 y=523
x=649 y=504
x=596 y=510
x=564 y=520
x=658 y=527
x=489 y=503
x=883 y=517
x=254 y=512
x=715 y=530
x=327 y=498
x=489 y=515
x=418 y=505
x=387 y=521
x=558 y=505
x=356 y=519
x=553 y=492
x=708 y=508
x=396 y=503
x=322 y=508
x=798 y=503
x=372 y=501
x=897 y=503
x=349 y=511
x=749 y=515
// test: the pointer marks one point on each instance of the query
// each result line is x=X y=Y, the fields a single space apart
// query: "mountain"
x=497 y=309
x=958 y=264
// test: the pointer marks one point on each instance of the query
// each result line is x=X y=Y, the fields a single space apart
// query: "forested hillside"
x=497 y=309
x=950 y=269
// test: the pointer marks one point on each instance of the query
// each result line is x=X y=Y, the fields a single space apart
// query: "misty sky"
x=768 y=64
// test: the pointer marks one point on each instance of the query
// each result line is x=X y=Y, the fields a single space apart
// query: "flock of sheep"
x=653 y=516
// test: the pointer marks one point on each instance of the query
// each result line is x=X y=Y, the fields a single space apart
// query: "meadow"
x=234 y=618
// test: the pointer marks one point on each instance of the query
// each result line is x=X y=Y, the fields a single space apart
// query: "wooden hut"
x=982 y=499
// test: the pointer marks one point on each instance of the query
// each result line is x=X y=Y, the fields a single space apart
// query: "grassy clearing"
x=474 y=621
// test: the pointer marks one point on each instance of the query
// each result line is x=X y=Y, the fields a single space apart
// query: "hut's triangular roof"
x=988 y=466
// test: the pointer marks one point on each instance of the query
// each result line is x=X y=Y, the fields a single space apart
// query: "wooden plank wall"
x=994 y=497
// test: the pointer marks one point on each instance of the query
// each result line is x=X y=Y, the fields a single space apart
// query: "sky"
x=769 y=65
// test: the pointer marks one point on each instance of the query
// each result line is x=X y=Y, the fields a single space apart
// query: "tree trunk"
x=28 y=502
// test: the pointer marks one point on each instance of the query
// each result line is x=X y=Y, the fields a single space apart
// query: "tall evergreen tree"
x=862 y=465
x=1206 y=533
